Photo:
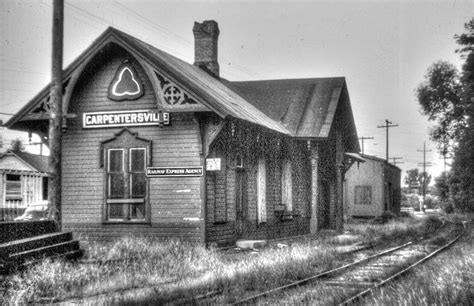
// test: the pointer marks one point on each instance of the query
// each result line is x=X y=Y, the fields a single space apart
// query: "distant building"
x=159 y=147
x=24 y=181
x=371 y=188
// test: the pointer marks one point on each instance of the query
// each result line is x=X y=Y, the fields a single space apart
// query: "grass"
x=446 y=280
x=174 y=269
x=394 y=229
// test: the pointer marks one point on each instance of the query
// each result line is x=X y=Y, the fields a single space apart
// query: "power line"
x=394 y=160
x=23 y=71
x=172 y=34
x=362 y=141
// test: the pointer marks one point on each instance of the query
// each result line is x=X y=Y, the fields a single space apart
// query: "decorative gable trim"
x=172 y=97
x=210 y=94
x=125 y=85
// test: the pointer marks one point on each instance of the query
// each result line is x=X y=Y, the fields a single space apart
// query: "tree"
x=440 y=97
x=466 y=40
x=446 y=96
x=424 y=176
x=415 y=178
x=442 y=187
x=17 y=145
x=462 y=181
x=411 y=179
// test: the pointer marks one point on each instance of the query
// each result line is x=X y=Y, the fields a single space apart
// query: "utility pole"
x=56 y=115
x=425 y=164
x=362 y=141
x=394 y=160
x=388 y=124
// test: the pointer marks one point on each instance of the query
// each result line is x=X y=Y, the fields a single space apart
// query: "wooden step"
x=45 y=251
x=22 y=245
x=7 y=267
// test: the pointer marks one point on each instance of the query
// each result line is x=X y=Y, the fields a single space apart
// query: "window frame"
x=125 y=139
x=287 y=185
x=108 y=168
x=8 y=187
x=261 y=191
x=130 y=168
x=367 y=194
x=128 y=200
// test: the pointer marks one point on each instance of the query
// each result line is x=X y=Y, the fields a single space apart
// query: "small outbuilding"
x=372 y=188
x=158 y=147
x=24 y=181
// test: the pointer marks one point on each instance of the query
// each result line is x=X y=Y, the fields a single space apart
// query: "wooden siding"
x=275 y=151
x=13 y=163
x=31 y=191
x=175 y=203
x=369 y=173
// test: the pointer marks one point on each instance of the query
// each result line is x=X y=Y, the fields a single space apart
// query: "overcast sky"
x=383 y=48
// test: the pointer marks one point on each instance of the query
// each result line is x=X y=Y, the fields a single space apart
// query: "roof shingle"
x=305 y=106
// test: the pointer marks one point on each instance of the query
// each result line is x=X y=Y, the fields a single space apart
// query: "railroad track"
x=348 y=283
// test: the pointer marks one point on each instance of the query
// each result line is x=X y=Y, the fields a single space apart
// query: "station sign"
x=173 y=171
x=213 y=164
x=124 y=118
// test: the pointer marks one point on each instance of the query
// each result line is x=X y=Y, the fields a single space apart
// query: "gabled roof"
x=305 y=106
x=37 y=162
x=299 y=107
x=213 y=93
x=378 y=159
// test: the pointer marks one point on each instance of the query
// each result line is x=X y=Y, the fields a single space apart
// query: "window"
x=287 y=186
x=126 y=184
x=363 y=195
x=45 y=188
x=13 y=187
x=261 y=192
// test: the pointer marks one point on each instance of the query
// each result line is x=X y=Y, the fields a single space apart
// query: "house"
x=158 y=147
x=372 y=188
x=24 y=181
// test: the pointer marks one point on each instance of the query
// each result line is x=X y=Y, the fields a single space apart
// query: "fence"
x=407 y=209
x=11 y=209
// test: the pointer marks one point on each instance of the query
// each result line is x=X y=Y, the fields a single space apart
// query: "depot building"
x=154 y=146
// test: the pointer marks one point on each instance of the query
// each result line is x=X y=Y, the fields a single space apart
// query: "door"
x=241 y=202
x=324 y=216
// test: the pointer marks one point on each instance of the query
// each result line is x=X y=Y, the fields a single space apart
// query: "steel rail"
x=321 y=275
x=367 y=291
x=314 y=277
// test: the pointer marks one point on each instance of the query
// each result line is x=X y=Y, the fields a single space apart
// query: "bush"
x=449 y=208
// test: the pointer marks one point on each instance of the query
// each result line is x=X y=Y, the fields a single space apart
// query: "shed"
x=372 y=188
x=24 y=181
x=159 y=147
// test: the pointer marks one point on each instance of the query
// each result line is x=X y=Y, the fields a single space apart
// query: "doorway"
x=241 y=202
x=324 y=215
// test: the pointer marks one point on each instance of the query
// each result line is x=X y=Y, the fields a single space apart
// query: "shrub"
x=449 y=208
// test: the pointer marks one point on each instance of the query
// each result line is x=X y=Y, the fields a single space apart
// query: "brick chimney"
x=205 y=46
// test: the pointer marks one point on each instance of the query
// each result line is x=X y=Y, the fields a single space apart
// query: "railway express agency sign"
x=124 y=118
x=173 y=171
